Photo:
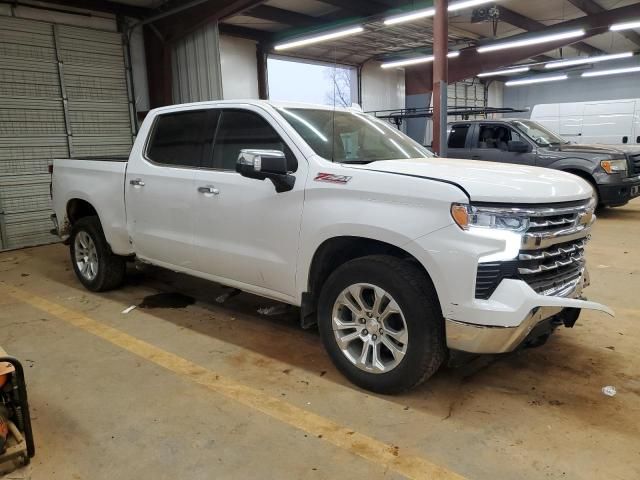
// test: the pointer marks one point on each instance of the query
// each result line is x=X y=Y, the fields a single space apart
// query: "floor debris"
x=273 y=310
x=128 y=309
x=227 y=295
x=609 y=390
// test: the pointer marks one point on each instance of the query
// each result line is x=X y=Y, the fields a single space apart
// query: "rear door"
x=160 y=189
x=458 y=140
x=608 y=122
x=491 y=141
x=245 y=231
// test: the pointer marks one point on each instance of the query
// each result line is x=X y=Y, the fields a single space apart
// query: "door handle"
x=475 y=157
x=137 y=182
x=209 y=189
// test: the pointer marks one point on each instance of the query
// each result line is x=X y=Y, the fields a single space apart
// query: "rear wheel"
x=381 y=324
x=95 y=265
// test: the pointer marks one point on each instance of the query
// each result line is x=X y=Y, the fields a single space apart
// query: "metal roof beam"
x=361 y=7
x=186 y=21
x=590 y=7
x=470 y=63
x=525 y=23
x=286 y=17
x=100 y=6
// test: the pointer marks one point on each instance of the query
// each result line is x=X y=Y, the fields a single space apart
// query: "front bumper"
x=619 y=193
x=513 y=299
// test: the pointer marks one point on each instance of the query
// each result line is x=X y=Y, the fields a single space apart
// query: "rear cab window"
x=180 y=139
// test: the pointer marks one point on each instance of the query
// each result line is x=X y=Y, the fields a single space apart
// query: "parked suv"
x=612 y=171
x=397 y=256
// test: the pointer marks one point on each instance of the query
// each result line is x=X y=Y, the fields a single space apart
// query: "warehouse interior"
x=218 y=381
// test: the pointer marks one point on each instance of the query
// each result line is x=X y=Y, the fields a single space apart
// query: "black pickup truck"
x=613 y=171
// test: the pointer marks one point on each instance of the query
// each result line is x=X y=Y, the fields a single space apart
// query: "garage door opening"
x=326 y=84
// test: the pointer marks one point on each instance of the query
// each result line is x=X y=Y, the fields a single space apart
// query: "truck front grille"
x=635 y=164
x=551 y=258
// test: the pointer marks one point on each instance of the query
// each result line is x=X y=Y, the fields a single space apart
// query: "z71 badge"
x=331 y=178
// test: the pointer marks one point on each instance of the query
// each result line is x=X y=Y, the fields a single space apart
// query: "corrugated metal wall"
x=62 y=93
x=196 y=67
x=93 y=68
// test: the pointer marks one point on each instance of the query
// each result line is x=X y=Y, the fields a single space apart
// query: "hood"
x=598 y=149
x=492 y=182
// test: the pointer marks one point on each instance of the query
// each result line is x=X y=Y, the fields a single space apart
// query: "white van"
x=613 y=122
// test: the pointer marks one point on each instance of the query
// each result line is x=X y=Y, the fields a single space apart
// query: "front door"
x=491 y=143
x=160 y=190
x=245 y=231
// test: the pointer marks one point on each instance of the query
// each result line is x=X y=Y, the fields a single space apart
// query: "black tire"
x=415 y=295
x=111 y=268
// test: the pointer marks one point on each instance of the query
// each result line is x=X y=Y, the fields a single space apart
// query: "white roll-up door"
x=466 y=94
x=63 y=93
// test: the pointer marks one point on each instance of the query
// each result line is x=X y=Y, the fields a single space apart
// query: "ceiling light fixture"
x=615 y=71
x=319 y=38
x=531 y=41
x=416 y=60
x=581 y=61
x=506 y=71
x=430 y=12
x=625 y=26
x=530 y=80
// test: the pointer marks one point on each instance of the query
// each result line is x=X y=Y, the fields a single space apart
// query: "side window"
x=496 y=136
x=458 y=136
x=179 y=139
x=242 y=129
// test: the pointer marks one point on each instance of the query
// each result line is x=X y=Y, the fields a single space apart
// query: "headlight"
x=470 y=216
x=614 y=166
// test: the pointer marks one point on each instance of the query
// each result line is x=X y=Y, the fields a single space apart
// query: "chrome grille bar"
x=554 y=253
x=544 y=267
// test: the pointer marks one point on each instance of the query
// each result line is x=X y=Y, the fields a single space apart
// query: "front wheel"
x=95 y=265
x=381 y=324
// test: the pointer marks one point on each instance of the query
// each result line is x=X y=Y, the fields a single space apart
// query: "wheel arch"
x=75 y=209
x=335 y=251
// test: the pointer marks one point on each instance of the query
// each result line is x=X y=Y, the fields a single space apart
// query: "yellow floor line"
x=388 y=456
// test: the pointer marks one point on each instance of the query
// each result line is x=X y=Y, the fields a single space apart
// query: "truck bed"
x=98 y=181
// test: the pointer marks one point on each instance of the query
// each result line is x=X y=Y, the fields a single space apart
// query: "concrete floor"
x=101 y=411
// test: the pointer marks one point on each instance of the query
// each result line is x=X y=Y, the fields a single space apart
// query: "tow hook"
x=569 y=316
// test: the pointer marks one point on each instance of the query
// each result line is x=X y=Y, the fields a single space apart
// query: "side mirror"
x=518 y=146
x=263 y=164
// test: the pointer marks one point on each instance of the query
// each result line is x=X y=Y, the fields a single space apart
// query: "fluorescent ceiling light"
x=506 y=71
x=319 y=38
x=530 y=80
x=430 y=12
x=408 y=17
x=580 y=61
x=625 y=26
x=466 y=4
x=416 y=60
x=614 y=71
x=531 y=41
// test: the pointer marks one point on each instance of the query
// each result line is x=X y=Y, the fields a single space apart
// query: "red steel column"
x=440 y=50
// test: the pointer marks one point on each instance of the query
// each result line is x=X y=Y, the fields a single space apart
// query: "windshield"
x=538 y=133
x=350 y=136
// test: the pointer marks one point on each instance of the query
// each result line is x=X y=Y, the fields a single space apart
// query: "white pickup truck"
x=398 y=256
